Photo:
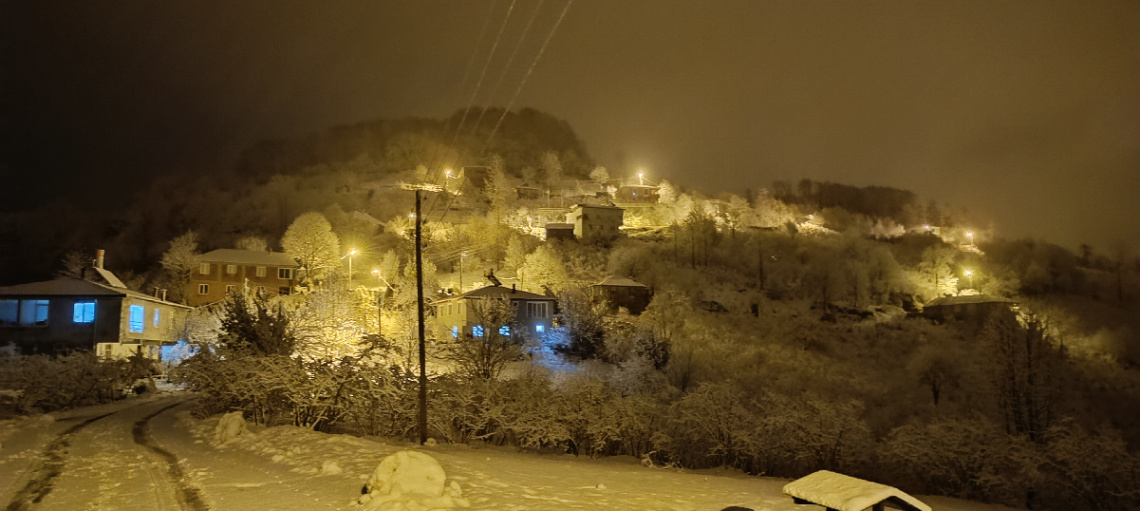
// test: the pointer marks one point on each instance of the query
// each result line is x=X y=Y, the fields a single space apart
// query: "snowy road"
x=150 y=454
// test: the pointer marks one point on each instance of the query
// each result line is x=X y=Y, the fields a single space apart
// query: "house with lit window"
x=71 y=314
x=221 y=271
x=620 y=292
x=637 y=194
x=595 y=222
x=534 y=313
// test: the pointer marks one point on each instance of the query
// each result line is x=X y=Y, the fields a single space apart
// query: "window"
x=157 y=318
x=454 y=332
x=285 y=273
x=539 y=328
x=84 y=312
x=505 y=330
x=231 y=269
x=536 y=310
x=260 y=271
x=283 y=290
x=203 y=289
x=477 y=330
x=204 y=268
x=33 y=312
x=136 y=319
x=9 y=312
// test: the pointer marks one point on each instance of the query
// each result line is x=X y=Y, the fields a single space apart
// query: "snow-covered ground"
x=286 y=468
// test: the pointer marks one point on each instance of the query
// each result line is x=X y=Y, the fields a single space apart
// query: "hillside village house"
x=534 y=313
x=594 y=222
x=974 y=308
x=637 y=194
x=71 y=314
x=621 y=292
x=222 y=271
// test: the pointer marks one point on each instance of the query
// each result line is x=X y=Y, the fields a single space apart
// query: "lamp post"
x=971 y=235
x=641 y=177
x=349 y=255
x=970 y=275
x=380 y=302
x=461 y=256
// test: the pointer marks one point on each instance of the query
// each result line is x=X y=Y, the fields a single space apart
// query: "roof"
x=501 y=292
x=594 y=206
x=846 y=493
x=109 y=277
x=616 y=281
x=250 y=257
x=964 y=300
x=70 y=286
x=558 y=225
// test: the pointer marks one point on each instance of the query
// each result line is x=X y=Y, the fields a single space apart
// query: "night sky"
x=1027 y=112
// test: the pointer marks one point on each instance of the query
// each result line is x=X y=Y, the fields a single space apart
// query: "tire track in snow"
x=189 y=498
x=40 y=485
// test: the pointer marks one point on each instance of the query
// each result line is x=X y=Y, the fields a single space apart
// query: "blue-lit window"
x=505 y=330
x=540 y=328
x=33 y=312
x=454 y=332
x=84 y=312
x=9 y=312
x=136 y=323
x=477 y=330
x=157 y=317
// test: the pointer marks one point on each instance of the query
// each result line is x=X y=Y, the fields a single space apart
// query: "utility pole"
x=420 y=312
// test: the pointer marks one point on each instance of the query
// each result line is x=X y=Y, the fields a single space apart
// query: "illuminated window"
x=285 y=273
x=203 y=289
x=157 y=318
x=477 y=330
x=454 y=332
x=539 y=328
x=231 y=269
x=260 y=271
x=9 y=312
x=136 y=319
x=204 y=268
x=84 y=312
x=505 y=330
x=536 y=310
x=33 y=312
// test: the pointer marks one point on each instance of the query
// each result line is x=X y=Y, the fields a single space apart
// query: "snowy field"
x=287 y=468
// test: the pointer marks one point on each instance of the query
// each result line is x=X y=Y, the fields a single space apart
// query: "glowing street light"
x=351 y=252
x=970 y=274
x=971 y=235
x=641 y=177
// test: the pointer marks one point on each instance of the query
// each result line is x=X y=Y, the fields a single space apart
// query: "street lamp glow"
x=641 y=177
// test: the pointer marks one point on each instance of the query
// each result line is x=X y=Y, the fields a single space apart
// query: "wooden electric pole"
x=420 y=312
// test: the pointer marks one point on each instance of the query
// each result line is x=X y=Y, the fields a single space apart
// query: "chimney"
x=512 y=288
x=99 y=258
x=164 y=295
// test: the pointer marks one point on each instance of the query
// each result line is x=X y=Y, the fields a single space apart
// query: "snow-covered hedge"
x=45 y=383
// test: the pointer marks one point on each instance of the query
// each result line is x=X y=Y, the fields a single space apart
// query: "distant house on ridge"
x=224 y=270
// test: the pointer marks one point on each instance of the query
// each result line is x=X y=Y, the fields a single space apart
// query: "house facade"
x=637 y=194
x=595 y=222
x=621 y=292
x=222 y=271
x=974 y=308
x=534 y=313
x=70 y=314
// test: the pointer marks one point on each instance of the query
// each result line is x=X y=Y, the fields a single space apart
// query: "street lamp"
x=970 y=274
x=461 y=256
x=641 y=177
x=349 y=255
x=971 y=235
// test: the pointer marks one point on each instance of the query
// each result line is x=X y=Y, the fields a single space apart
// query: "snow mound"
x=230 y=426
x=331 y=468
x=846 y=493
x=411 y=481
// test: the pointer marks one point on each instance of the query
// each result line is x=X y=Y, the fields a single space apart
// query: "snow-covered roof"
x=249 y=257
x=846 y=493
x=109 y=277
x=559 y=225
x=70 y=286
x=500 y=292
x=616 y=281
x=967 y=299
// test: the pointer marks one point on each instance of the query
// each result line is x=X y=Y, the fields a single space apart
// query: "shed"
x=967 y=308
x=838 y=492
x=622 y=292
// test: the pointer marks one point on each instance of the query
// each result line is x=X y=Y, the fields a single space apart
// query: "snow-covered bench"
x=838 y=492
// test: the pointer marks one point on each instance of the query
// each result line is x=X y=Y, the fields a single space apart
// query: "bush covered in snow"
x=46 y=383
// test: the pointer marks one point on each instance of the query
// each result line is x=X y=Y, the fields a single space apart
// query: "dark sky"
x=1027 y=113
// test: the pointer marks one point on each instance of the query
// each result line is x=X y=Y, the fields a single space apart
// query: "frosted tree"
x=600 y=175
x=544 y=270
x=497 y=187
x=180 y=260
x=311 y=240
x=333 y=321
x=255 y=243
x=485 y=356
x=552 y=167
x=935 y=266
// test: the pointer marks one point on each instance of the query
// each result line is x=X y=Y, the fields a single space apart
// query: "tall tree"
x=311 y=240
x=179 y=261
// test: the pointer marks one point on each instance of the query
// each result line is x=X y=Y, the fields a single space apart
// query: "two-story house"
x=594 y=222
x=222 y=271
x=534 y=313
x=71 y=314
x=622 y=292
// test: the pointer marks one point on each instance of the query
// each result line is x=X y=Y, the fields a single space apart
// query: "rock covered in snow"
x=231 y=426
x=411 y=481
x=331 y=468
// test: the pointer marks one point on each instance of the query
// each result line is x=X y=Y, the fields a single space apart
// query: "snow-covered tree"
x=544 y=270
x=600 y=175
x=180 y=260
x=310 y=239
x=485 y=356
x=552 y=168
x=255 y=243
